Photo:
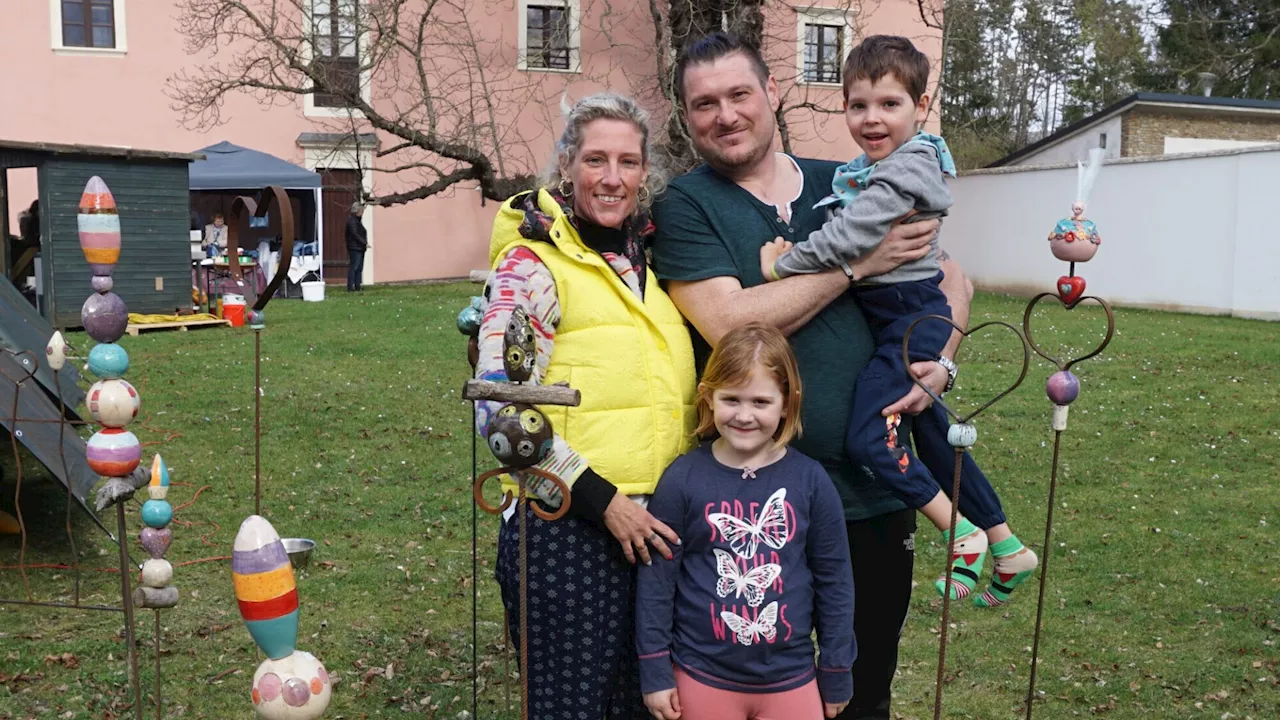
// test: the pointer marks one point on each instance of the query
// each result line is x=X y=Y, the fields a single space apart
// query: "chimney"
x=1206 y=82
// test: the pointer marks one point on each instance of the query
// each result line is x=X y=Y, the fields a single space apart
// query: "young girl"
x=723 y=629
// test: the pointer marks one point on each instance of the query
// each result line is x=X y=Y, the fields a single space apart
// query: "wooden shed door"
x=340 y=190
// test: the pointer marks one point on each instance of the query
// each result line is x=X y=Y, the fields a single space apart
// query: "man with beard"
x=710 y=226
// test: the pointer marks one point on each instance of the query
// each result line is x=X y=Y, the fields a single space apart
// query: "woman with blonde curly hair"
x=572 y=256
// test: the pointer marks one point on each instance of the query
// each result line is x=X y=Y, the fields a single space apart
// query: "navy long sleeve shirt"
x=763 y=561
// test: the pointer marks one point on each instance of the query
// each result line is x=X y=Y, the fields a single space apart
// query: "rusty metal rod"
x=1047 y=549
x=62 y=457
x=159 y=700
x=125 y=572
x=17 y=494
x=946 y=587
x=257 y=422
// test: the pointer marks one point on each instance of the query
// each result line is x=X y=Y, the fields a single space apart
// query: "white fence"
x=1193 y=233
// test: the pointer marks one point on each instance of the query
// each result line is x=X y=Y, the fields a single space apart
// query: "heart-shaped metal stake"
x=1062 y=388
x=1066 y=367
x=906 y=363
x=243 y=205
x=961 y=436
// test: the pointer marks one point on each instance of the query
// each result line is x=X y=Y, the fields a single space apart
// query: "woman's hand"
x=635 y=529
x=665 y=704
x=904 y=243
x=833 y=709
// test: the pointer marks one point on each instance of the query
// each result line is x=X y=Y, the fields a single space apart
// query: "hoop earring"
x=645 y=195
x=560 y=187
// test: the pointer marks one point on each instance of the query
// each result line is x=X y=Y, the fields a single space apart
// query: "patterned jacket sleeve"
x=521 y=279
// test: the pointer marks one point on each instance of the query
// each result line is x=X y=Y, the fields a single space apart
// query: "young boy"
x=902 y=172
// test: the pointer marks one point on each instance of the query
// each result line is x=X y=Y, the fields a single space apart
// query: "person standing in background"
x=357 y=243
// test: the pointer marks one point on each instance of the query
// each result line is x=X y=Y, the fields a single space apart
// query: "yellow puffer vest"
x=632 y=360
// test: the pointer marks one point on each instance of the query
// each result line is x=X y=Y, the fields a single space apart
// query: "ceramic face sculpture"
x=519 y=349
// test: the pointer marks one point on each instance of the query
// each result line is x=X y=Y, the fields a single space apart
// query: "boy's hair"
x=712 y=47
x=881 y=55
x=731 y=363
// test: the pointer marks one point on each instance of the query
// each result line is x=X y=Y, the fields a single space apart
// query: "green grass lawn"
x=1164 y=586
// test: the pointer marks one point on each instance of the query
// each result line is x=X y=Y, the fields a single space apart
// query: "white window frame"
x=309 y=107
x=822 y=16
x=55 y=32
x=573 y=7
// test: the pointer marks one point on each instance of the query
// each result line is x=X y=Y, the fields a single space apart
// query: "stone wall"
x=1143 y=130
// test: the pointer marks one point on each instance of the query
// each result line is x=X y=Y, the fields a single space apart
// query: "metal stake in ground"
x=1062 y=388
x=962 y=436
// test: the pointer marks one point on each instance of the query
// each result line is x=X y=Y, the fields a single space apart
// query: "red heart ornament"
x=1070 y=288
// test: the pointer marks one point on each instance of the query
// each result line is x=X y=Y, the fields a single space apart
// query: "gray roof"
x=108 y=150
x=1225 y=103
x=231 y=167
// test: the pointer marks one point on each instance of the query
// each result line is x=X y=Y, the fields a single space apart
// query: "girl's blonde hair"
x=731 y=363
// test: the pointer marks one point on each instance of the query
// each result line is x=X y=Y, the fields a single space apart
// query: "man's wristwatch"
x=947 y=363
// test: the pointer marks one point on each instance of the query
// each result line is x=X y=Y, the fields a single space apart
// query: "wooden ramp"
x=183 y=326
x=59 y=448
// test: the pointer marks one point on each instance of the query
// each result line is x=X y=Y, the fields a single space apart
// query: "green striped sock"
x=1014 y=565
x=966 y=560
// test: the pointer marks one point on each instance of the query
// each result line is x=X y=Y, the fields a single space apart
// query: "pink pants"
x=703 y=702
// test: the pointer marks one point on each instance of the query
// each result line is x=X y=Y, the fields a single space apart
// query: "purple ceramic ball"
x=104 y=316
x=296 y=693
x=1062 y=387
x=103 y=283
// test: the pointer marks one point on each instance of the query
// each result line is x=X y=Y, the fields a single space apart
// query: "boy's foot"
x=1014 y=565
x=966 y=560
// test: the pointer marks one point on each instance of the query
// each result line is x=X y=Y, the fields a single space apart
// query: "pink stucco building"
x=111 y=72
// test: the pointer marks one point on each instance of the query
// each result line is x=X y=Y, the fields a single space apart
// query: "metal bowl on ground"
x=299 y=550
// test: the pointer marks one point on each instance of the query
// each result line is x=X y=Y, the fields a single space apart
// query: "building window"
x=823 y=37
x=823 y=53
x=1102 y=140
x=337 y=52
x=548 y=36
x=87 y=26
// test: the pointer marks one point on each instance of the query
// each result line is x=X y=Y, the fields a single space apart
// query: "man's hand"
x=665 y=704
x=904 y=243
x=929 y=372
x=769 y=254
x=833 y=709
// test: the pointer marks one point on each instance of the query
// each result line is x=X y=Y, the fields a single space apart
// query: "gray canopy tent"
x=231 y=170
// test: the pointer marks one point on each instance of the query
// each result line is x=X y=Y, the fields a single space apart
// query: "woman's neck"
x=726 y=455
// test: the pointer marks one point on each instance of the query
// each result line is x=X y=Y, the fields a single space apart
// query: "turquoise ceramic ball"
x=157 y=513
x=108 y=361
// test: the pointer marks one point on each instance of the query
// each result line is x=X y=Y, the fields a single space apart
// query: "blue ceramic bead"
x=108 y=361
x=157 y=513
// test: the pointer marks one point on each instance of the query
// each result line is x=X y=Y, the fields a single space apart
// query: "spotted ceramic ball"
x=113 y=403
x=295 y=687
x=257 y=320
x=1062 y=387
x=108 y=361
x=520 y=435
x=104 y=317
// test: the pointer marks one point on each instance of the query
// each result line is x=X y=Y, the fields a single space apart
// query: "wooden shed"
x=151 y=192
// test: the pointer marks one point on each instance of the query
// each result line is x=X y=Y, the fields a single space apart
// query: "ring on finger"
x=654 y=537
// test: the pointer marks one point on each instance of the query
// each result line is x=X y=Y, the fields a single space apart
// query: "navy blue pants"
x=880 y=443
x=581 y=593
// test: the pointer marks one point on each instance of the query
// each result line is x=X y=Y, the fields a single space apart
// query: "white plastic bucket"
x=313 y=291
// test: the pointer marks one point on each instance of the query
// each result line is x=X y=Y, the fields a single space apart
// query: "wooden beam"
x=531 y=394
